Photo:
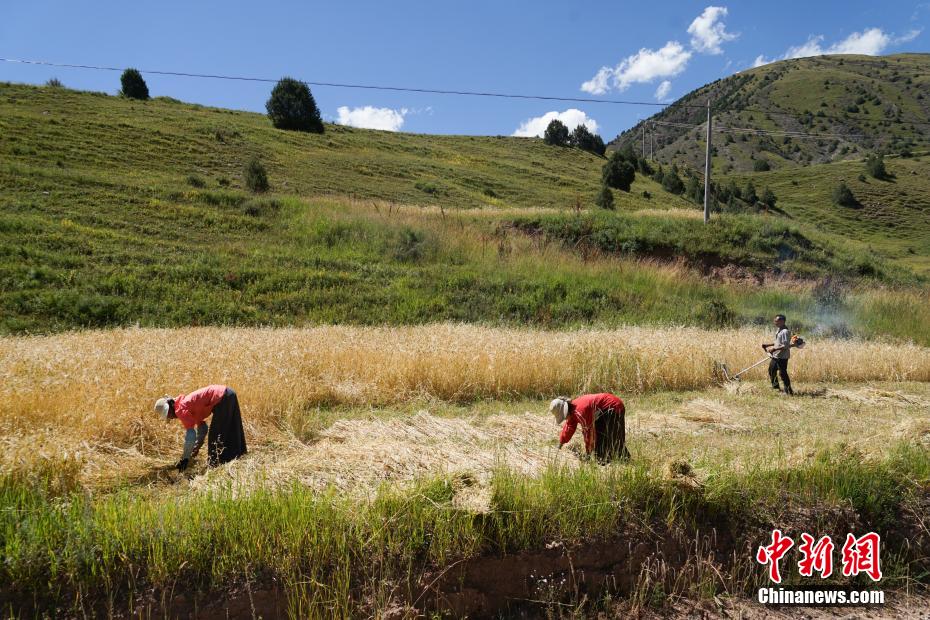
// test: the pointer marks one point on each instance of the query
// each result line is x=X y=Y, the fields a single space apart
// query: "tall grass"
x=120 y=545
x=899 y=314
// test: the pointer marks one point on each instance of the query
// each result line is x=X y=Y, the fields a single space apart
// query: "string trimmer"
x=796 y=343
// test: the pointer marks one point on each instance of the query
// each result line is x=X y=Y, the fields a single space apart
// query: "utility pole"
x=644 y=140
x=707 y=168
x=652 y=147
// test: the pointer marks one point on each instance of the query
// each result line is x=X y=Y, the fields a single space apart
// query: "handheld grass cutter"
x=796 y=343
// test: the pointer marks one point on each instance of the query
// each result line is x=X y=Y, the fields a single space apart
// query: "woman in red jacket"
x=603 y=423
x=226 y=438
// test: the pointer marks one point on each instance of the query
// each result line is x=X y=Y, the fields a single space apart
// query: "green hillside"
x=117 y=212
x=860 y=103
x=892 y=215
x=159 y=143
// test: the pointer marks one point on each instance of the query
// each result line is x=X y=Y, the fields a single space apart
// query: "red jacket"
x=584 y=411
x=192 y=409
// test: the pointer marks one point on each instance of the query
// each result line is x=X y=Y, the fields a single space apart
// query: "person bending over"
x=225 y=435
x=602 y=421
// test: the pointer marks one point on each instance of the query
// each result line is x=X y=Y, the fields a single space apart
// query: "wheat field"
x=81 y=402
x=94 y=382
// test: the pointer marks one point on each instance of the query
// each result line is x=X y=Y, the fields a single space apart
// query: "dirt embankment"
x=648 y=569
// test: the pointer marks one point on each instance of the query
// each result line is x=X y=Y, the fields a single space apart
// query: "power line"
x=356 y=86
x=675 y=105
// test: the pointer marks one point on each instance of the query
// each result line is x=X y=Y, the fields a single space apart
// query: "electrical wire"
x=357 y=86
x=667 y=106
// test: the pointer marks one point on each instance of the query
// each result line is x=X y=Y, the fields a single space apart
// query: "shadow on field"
x=162 y=475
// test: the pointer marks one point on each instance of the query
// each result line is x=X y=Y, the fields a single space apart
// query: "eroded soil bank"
x=650 y=569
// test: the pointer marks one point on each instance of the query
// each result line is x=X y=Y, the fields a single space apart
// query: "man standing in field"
x=226 y=436
x=780 y=350
x=602 y=419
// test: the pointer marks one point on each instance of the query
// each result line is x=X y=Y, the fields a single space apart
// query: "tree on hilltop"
x=292 y=106
x=133 y=86
x=586 y=141
x=875 y=165
x=556 y=133
x=618 y=173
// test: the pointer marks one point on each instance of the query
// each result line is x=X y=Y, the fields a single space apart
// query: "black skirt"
x=226 y=439
x=610 y=435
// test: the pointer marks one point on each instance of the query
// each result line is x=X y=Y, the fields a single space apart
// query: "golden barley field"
x=357 y=405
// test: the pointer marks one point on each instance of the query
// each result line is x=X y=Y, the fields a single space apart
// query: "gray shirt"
x=783 y=339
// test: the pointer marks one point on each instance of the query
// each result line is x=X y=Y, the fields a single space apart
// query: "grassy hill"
x=117 y=212
x=861 y=103
x=891 y=216
x=160 y=143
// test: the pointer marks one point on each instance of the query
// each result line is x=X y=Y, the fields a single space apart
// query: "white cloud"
x=663 y=90
x=369 y=117
x=811 y=48
x=647 y=65
x=869 y=42
x=908 y=37
x=643 y=67
x=535 y=127
x=708 y=32
x=598 y=84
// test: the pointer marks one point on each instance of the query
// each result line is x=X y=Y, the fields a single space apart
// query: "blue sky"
x=646 y=51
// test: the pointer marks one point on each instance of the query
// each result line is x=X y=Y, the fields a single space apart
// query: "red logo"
x=859 y=555
x=773 y=553
x=817 y=557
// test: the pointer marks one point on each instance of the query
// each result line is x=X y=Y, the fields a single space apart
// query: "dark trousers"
x=610 y=435
x=226 y=439
x=779 y=368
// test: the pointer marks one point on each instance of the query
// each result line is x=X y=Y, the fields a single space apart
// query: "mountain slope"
x=114 y=212
x=860 y=103
x=163 y=141
x=891 y=215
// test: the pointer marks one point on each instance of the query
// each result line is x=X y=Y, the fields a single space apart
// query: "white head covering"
x=163 y=407
x=559 y=409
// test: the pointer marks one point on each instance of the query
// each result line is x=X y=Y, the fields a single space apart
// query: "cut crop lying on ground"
x=390 y=466
x=294 y=382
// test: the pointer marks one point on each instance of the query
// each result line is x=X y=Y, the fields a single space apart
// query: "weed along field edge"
x=415 y=470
